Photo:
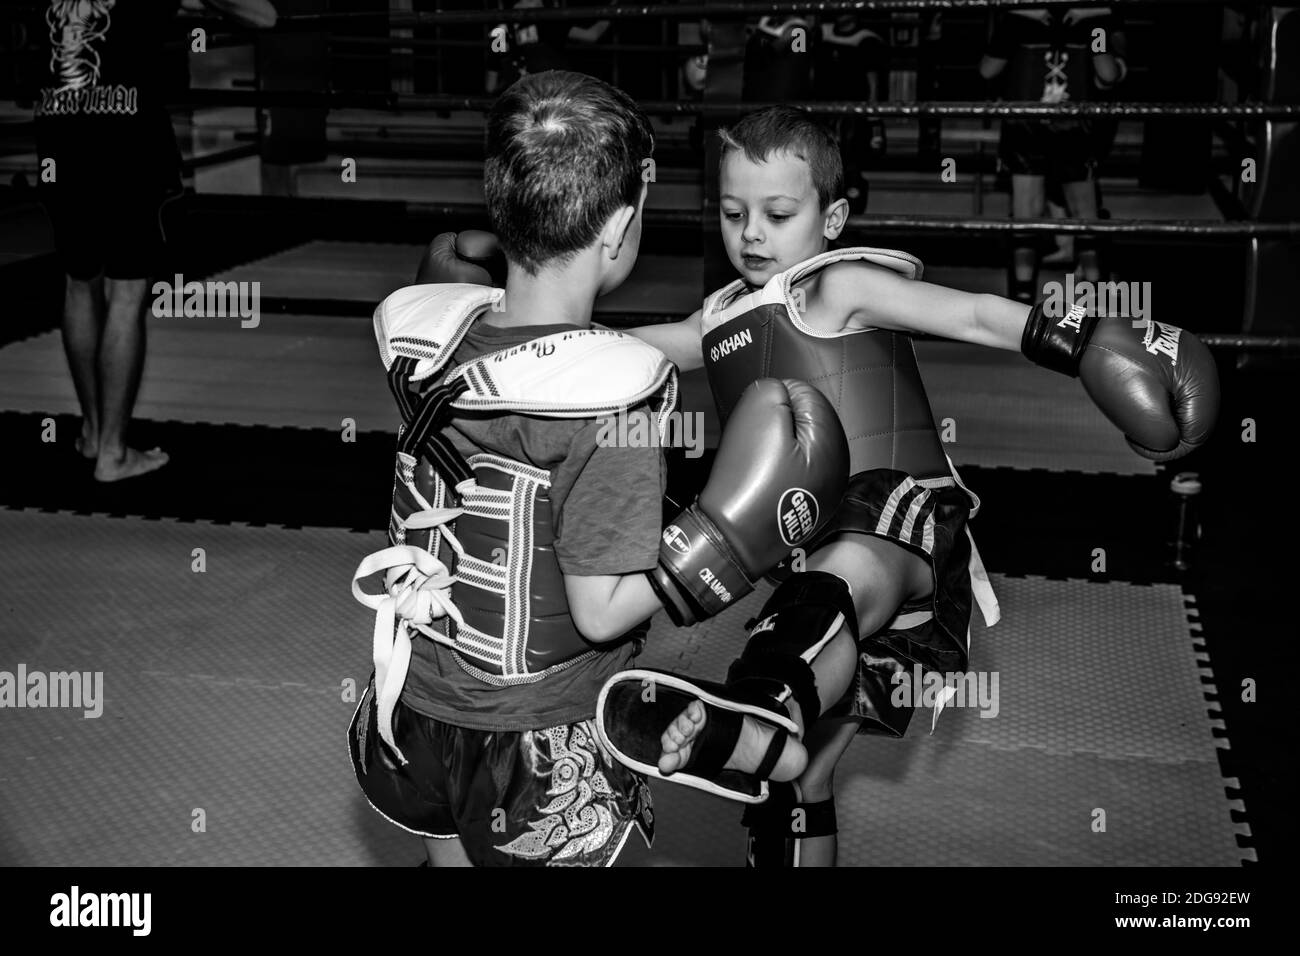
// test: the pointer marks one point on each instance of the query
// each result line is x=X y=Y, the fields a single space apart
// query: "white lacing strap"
x=981 y=587
x=417 y=591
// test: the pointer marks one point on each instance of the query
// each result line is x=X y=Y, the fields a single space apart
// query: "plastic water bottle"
x=1186 y=487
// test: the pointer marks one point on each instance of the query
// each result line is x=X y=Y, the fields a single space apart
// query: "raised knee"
x=804 y=616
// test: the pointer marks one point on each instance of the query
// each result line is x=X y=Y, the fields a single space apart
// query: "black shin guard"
x=770 y=846
x=777 y=827
x=801 y=617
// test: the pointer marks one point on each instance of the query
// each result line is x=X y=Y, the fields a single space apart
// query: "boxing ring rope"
x=1193 y=229
x=713 y=11
x=413 y=43
x=413 y=102
x=1137 y=229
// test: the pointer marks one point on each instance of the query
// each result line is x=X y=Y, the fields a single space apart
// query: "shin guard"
x=802 y=616
x=778 y=827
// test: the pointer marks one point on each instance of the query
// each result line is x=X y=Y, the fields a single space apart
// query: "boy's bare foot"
x=755 y=737
x=129 y=464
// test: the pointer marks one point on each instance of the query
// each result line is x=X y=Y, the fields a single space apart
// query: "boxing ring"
x=224 y=690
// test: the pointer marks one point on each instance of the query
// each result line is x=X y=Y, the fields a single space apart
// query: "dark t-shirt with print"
x=100 y=96
x=607 y=513
x=1050 y=52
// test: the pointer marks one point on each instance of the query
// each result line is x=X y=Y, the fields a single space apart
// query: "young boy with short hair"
x=890 y=581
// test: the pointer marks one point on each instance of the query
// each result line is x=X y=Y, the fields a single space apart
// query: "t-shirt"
x=1050 y=52
x=101 y=83
x=606 y=511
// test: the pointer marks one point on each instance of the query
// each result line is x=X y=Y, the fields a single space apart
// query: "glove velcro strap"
x=1057 y=344
x=670 y=597
x=697 y=560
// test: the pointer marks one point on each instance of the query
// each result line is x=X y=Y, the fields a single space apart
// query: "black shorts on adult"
x=105 y=202
x=1063 y=150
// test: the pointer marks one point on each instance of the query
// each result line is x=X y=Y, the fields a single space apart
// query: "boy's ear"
x=618 y=224
x=616 y=228
x=837 y=216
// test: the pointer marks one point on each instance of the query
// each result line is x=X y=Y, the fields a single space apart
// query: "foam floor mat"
x=223 y=702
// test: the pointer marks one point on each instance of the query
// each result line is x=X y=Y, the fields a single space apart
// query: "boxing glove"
x=1157 y=383
x=781 y=469
x=472 y=256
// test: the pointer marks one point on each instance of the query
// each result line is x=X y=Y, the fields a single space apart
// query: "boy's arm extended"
x=870 y=296
x=680 y=341
x=1156 y=382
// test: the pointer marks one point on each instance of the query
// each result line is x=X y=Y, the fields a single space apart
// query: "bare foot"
x=87 y=443
x=755 y=737
x=1088 y=268
x=130 y=464
x=1064 y=252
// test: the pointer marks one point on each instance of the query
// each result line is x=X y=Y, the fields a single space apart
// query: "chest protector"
x=471 y=563
x=870 y=376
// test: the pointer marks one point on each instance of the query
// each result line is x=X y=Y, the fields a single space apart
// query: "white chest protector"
x=471 y=563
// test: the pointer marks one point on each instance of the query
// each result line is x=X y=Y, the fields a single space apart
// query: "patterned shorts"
x=550 y=797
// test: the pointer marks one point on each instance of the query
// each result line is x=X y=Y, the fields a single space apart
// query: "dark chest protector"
x=870 y=376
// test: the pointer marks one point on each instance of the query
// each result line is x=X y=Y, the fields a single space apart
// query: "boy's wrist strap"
x=1057 y=344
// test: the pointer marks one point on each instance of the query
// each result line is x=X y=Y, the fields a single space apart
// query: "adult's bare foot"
x=755 y=738
x=87 y=443
x=130 y=464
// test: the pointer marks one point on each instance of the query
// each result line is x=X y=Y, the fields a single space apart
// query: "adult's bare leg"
x=83 y=322
x=120 y=365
